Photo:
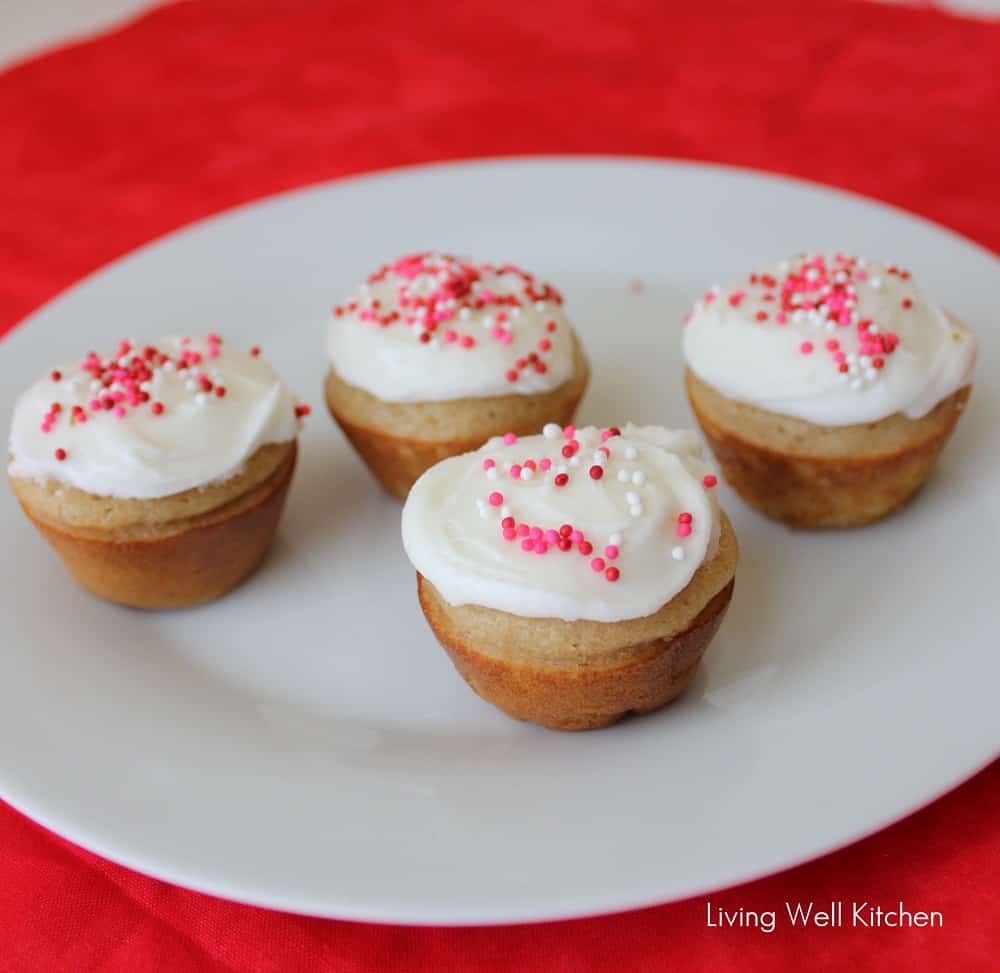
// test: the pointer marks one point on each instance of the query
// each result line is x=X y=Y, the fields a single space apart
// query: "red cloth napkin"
x=199 y=106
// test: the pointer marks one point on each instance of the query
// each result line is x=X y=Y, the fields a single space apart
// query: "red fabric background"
x=199 y=106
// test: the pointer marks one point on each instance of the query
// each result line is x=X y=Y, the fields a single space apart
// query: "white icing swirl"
x=453 y=531
x=167 y=432
x=824 y=363
x=432 y=328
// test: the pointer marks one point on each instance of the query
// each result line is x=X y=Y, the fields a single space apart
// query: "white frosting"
x=453 y=533
x=414 y=333
x=767 y=363
x=176 y=432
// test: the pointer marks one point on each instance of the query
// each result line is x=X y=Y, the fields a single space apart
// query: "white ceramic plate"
x=305 y=744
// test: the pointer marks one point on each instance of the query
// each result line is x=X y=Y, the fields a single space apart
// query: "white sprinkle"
x=551 y=430
x=526 y=473
x=871 y=374
x=191 y=385
x=169 y=366
x=480 y=502
x=631 y=498
x=488 y=321
x=561 y=468
x=677 y=553
x=798 y=317
x=876 y=282
x=492 y=473
x=873 y=329
x=599 y=458
x=574 y=461
x=865 y=361
x=433 y=343
x=465 y=314
x=200 y=398
x=831 y=326
x=638 y=478
x=631 y=452
x=623 y=476
x=515 y=312
x=851 y=357
x=484 y=512
x=844 y=378
x=616 y=539
x=540 y=305
x=95 y=386
x=635 y=510
x=504 y=511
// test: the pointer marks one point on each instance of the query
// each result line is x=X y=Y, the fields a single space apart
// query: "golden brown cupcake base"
x=585 y=675
x=399 y=441
x=808 y=475
x=183 y=563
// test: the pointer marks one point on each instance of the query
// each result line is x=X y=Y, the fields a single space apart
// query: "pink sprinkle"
x=94 y=405
x=840 y=357
x=611 y=552
x=683 y=530
x=806 y=347
x=527 y=545
x=544 y=464
x=450 y=336
x=781 y=317
x=535 y=533
x=467 y=341
x=119 y=412
x=709 y=480
x=488 y=464
x=551 y=536
x=509 y=533
x=832 y=344
x=523 y=530
x=530 y=464
x=576 y=536
x=597 y=564
x=569 y=431
x=496 y=498
x=860 y=275
x=515 y=470
x=541 y=547
x=509 y=438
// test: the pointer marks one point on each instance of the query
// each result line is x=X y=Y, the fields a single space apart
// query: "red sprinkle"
x=612 y=574
x=56 y=376
x=596 y=472
x=255 y=351
x=157 y=408
x=561 y=479
x=302 y=410
x=709 y=480
x=60 y=454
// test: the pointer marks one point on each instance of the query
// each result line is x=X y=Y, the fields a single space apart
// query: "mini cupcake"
x=436 y=354
x=574 y=576
x=157 y=473
x=826 y=387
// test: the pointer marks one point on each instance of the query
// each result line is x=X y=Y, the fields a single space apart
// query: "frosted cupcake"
x=157 y=473
x=827 y=387
x=574 y=576
x=436 y=354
